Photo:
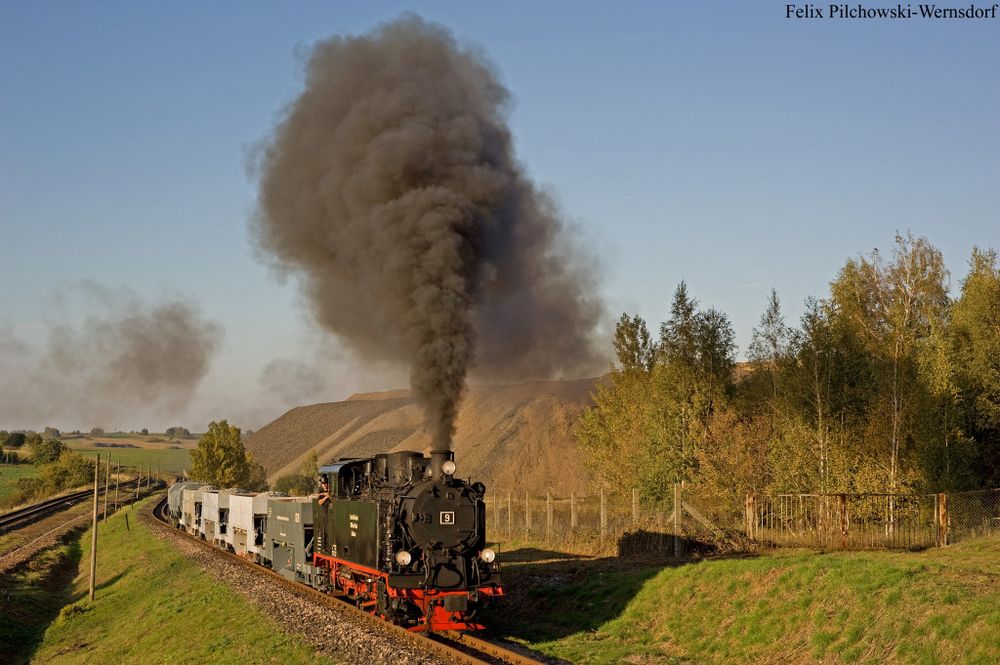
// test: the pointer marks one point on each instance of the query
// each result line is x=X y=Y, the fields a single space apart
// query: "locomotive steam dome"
x=443 y=516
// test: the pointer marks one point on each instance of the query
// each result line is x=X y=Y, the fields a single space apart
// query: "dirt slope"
x=518 y=437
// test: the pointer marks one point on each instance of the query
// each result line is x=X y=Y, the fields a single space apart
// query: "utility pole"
x=93 y=540
x=107 y=486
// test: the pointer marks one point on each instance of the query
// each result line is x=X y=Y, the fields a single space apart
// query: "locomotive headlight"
x=488 y=555
x=403 y=558
x=448 y=468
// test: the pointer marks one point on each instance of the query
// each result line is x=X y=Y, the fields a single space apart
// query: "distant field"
x=9 y=476
x=167 y=459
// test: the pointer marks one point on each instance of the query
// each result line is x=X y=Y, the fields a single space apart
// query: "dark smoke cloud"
x=391 y=188
x=124 y=359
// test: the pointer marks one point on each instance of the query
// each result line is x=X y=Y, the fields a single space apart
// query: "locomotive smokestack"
x=438 y=460
x=391 y=188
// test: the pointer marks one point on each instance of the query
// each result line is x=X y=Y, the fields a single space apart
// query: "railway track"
x=21 y=516
x=453 y=646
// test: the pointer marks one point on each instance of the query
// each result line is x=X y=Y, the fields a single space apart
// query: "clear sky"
x=716 y=142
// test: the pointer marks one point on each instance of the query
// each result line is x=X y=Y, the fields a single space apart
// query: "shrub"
x=50 y=433
x=15 y=440
x=46 y=451
x=96 y=431
x=296 y=484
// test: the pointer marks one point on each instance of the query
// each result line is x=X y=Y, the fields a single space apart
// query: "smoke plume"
x=391 y=188
x=124 y=360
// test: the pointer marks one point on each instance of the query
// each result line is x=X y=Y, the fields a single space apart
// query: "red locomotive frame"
x=430 y=601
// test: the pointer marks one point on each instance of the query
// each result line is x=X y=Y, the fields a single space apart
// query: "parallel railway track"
x=20 y=516
x=453 y=646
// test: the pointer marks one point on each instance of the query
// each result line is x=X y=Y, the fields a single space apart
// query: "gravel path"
x=333 y=632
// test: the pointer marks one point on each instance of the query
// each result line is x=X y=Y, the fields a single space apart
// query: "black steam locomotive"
x=401 y=535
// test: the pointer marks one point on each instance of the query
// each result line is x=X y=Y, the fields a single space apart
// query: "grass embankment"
x=937 y=606
x=153 y=606
x=9 y=476
x=167 y=460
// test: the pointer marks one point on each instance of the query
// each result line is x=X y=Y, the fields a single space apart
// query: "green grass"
x=169 y=460
x=155 y=606
x=9 y=476
x=938 y=606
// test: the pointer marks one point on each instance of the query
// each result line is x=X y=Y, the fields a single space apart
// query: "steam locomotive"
x=396 y=533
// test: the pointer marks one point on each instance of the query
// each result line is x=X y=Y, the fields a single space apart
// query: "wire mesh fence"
x=608 y=522
x=872 y=521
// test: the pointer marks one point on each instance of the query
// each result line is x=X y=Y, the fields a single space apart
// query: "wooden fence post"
x=527 y=515
x=842 y=500
x=678 y=539
x=93 y=539
x=572 y=511
x=635 y=507
x=510 y=516
x=118 y=478
x=604 y=514
x=942 y=519
x=748 y=514
x=548 y=515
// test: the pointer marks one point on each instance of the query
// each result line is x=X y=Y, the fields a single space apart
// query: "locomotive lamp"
x=488 y=555
x=403 y=558
x=448 y=468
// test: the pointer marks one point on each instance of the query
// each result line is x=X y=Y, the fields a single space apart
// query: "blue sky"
x=714 y=142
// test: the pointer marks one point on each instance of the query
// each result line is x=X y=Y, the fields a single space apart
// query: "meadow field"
x=153 y=606
x=167 y=460
x=935 y=606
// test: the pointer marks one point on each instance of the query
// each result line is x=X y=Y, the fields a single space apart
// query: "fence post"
x=604 y=514
x=572 y=511
x=548 y=515
x=842 y=501
x=510 y=516
x=678 y=542
x=748 y=516
x=942 y=503
x=527 y=515
x=635 y=507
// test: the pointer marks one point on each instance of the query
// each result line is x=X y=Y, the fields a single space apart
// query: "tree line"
x=888 y=383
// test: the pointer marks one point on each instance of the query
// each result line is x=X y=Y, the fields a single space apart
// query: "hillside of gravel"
x=515 y=436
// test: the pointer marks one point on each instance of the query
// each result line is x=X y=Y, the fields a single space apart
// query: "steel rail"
x=473 y=651
x=47 y=506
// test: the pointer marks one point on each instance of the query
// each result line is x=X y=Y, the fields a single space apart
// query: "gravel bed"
x=333 y=632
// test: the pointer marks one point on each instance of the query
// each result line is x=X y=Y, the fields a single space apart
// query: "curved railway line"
x=453 y=646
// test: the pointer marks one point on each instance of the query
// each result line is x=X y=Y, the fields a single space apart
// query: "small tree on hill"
x=96 y=431
x=51 y=433
x=221 y=460
x=15 y=440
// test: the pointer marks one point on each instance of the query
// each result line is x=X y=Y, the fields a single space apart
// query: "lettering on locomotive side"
x=282 y=518
x=447 y=517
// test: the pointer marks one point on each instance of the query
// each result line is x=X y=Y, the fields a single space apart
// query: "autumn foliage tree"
x=888 y=383
x=221 y=460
